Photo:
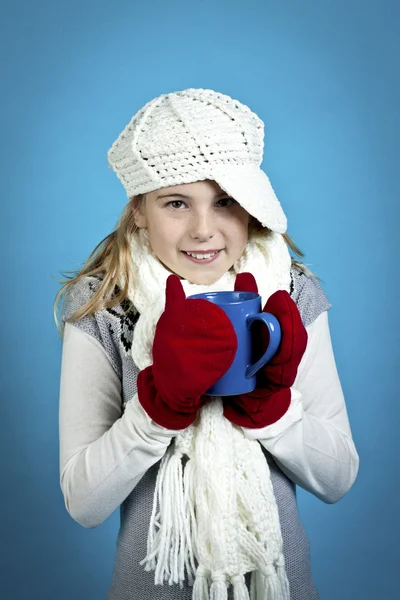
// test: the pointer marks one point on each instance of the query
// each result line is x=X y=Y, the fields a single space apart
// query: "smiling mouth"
x=200 y=257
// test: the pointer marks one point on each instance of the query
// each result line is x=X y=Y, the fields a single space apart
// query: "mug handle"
x=274 y=329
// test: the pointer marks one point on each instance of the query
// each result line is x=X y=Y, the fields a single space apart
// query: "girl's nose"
x=202 y=227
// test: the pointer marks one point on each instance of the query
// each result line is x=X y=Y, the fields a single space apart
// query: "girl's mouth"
x=202 y=258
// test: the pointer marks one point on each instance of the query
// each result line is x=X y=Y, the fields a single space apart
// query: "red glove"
x=271 y=398
x=194 y=345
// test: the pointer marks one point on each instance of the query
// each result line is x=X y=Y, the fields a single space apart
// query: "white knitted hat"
x=195 y=135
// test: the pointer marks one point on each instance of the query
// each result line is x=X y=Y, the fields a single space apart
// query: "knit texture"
x=206 y=523
x=114 y=331
x=265 y=254
x=195 y=135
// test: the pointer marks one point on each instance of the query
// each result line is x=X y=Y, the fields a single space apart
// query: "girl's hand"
x=194 y=345
x=271 y=399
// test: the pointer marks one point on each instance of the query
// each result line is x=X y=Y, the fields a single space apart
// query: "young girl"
x=206 y=485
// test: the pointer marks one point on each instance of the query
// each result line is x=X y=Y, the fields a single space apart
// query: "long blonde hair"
x=111 y=258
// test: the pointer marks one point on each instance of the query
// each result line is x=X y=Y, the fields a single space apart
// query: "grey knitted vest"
x=113 y=328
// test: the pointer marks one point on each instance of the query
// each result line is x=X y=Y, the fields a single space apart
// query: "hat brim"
x=250 y=186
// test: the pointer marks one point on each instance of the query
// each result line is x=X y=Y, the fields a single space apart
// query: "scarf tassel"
x=219 y=588
x=200 y=588
x=282 y=577
x=240 y=591
x=276 y=586
x=169 y=544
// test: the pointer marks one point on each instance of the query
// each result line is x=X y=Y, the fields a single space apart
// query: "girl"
x=217 y=517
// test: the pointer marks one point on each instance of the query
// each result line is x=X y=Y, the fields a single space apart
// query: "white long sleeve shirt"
x=104 y=452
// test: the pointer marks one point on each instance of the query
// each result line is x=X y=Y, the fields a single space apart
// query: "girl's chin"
x=196 y=278
x=205 y=279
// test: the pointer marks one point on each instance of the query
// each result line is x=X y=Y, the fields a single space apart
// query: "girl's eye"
x=227 y=201
x=174 y=202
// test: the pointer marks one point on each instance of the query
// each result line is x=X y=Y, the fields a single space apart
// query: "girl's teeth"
x=202 y=255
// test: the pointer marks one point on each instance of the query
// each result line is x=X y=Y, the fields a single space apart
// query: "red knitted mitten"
x=271 y=398
x=194 y=345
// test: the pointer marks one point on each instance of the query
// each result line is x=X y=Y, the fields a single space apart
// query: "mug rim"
x=202 y=295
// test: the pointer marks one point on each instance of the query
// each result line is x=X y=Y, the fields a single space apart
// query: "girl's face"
x=198 y=218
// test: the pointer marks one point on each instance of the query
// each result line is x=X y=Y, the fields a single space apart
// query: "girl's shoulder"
x=79 y=294
x=307 y=292
x=111 y=327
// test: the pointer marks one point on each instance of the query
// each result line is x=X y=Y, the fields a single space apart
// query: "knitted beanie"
x=194 y=135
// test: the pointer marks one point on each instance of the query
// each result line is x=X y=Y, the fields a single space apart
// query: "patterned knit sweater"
x=113 y=330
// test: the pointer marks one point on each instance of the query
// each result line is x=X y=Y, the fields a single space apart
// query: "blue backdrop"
x=324 y=76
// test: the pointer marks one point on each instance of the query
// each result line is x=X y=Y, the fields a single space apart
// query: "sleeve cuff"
x=291 y=416
x=139 y=415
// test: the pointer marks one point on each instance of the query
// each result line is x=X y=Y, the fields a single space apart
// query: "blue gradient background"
x=324 y=76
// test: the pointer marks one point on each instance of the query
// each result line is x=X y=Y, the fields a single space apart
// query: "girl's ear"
x=137 y=205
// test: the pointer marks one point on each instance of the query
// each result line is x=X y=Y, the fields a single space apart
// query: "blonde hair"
x=110 y=262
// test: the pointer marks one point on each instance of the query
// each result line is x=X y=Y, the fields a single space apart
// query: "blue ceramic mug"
x=243 y=308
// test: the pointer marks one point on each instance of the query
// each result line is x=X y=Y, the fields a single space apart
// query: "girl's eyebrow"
x=177 y=195
x=170 y=194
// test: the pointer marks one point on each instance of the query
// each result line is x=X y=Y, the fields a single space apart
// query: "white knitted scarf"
x=215 y=518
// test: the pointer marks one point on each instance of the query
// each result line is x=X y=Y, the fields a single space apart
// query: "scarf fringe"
x=275 y=583
x=172 y=543
x=201 y=585
x=219 y=588
x=240 y=591
x=283 y=580
x=169 y=541
x=270 y=582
